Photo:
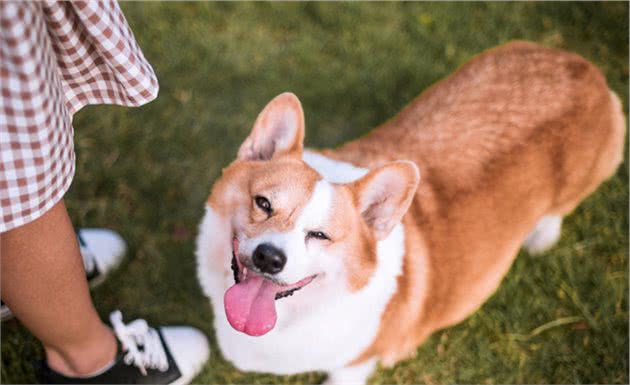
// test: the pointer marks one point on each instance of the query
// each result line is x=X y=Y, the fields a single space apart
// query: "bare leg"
x=44 y=284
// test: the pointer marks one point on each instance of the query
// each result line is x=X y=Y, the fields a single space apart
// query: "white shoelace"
x=138 y=334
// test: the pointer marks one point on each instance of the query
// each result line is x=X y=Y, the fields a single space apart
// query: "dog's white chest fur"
x=319 y=328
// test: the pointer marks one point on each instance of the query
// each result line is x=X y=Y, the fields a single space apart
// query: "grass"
x=560 y=318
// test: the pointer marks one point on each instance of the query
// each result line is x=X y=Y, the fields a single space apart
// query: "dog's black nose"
x=269 y=259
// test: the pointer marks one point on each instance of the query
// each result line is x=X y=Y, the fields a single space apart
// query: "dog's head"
x=291 y=229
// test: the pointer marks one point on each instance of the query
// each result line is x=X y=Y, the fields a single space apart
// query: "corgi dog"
x=334 y=260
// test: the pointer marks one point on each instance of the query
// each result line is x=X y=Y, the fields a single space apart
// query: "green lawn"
x=559 y=318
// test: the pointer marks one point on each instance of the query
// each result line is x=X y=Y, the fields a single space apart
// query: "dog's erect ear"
x=278 y=130
x=384 y=195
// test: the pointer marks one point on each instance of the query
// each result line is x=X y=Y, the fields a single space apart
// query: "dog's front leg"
x=351 y=375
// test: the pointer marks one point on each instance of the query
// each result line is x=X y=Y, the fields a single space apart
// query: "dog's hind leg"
x=351 y=375
x=544 y=235
x=610 y=156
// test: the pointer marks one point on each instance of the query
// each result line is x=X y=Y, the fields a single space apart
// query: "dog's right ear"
x=278 y=130
x=384 y=194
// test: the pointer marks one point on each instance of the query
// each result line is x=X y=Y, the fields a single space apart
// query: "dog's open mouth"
x=241 y=273
x=250 y=303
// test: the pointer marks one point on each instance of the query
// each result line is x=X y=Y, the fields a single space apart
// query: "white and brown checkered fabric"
x=55 y=58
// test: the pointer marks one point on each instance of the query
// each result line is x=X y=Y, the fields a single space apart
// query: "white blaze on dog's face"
x=290 y=227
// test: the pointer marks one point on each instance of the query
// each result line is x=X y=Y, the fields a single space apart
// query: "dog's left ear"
x=278 y=130
x=384 y=195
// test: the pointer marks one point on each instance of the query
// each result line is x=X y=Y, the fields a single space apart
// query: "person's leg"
x=44 y=284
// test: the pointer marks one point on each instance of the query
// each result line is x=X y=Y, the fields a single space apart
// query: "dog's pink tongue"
x=250 y=305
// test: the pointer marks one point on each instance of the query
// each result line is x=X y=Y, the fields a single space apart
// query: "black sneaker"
x=5 y=312
x=101 y=249
x=169 y=355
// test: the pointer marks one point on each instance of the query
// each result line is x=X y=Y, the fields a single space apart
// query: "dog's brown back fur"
x=519 y=132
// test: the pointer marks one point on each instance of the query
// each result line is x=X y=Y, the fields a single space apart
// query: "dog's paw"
x=351 y=375
x=544 y=235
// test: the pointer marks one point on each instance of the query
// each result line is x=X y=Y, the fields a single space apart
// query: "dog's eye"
x=263 y=203
x=318 y=235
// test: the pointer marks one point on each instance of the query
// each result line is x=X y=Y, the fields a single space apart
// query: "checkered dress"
x=55 y=58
